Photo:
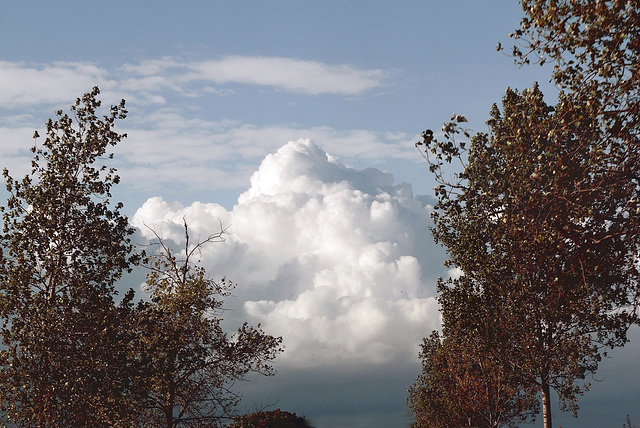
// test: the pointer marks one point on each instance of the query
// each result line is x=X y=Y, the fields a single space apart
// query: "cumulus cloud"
x=336 y=260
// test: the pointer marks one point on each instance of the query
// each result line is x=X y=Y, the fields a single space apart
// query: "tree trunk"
x=546 y=403
x=168 y=416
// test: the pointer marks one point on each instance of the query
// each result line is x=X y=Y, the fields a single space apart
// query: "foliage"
x=71 y=355
x=464 y=384
x=595 y=46
x=190 y=362
x=543 y=223
x=272 y=419
x=543 y=216
x=63 y=248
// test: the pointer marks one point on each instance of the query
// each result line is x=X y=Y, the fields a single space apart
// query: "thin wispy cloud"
x=230 y=150
x=23 y=84
x=168 y=137
x=288 y=74
x=169 y=148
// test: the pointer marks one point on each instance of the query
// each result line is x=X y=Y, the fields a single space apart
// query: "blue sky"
x=294 y=123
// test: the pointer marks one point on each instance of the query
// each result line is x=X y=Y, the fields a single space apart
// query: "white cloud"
x=15 y=144
x=455 y=273
x=152 y=67
x=148 y=82
x=334 y=259
x=167 y=148
x=60 y=82
x=288 y=74
x=171 y=149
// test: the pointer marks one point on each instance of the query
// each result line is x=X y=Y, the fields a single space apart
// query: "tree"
x=464 y=384
x=189 y=361
x=272 y=419
x=72 y=356
x=536 y=221
x=468 y=378
x=595 y=46
x=64 y=245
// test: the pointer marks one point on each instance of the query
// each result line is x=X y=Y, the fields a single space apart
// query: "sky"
x=293 y=125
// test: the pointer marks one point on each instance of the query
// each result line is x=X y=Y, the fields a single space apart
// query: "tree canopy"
x=191 y=363
x=535 y=221
x=541 y=215
x=64 y=245
x=595 y=46
x=73 y=355
x=463 y=383
x=270 y=419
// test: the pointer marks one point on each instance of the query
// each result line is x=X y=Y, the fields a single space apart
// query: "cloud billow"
x=330 y=257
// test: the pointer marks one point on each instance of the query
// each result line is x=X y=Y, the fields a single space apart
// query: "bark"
x=168 y=416
x=546 y=403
